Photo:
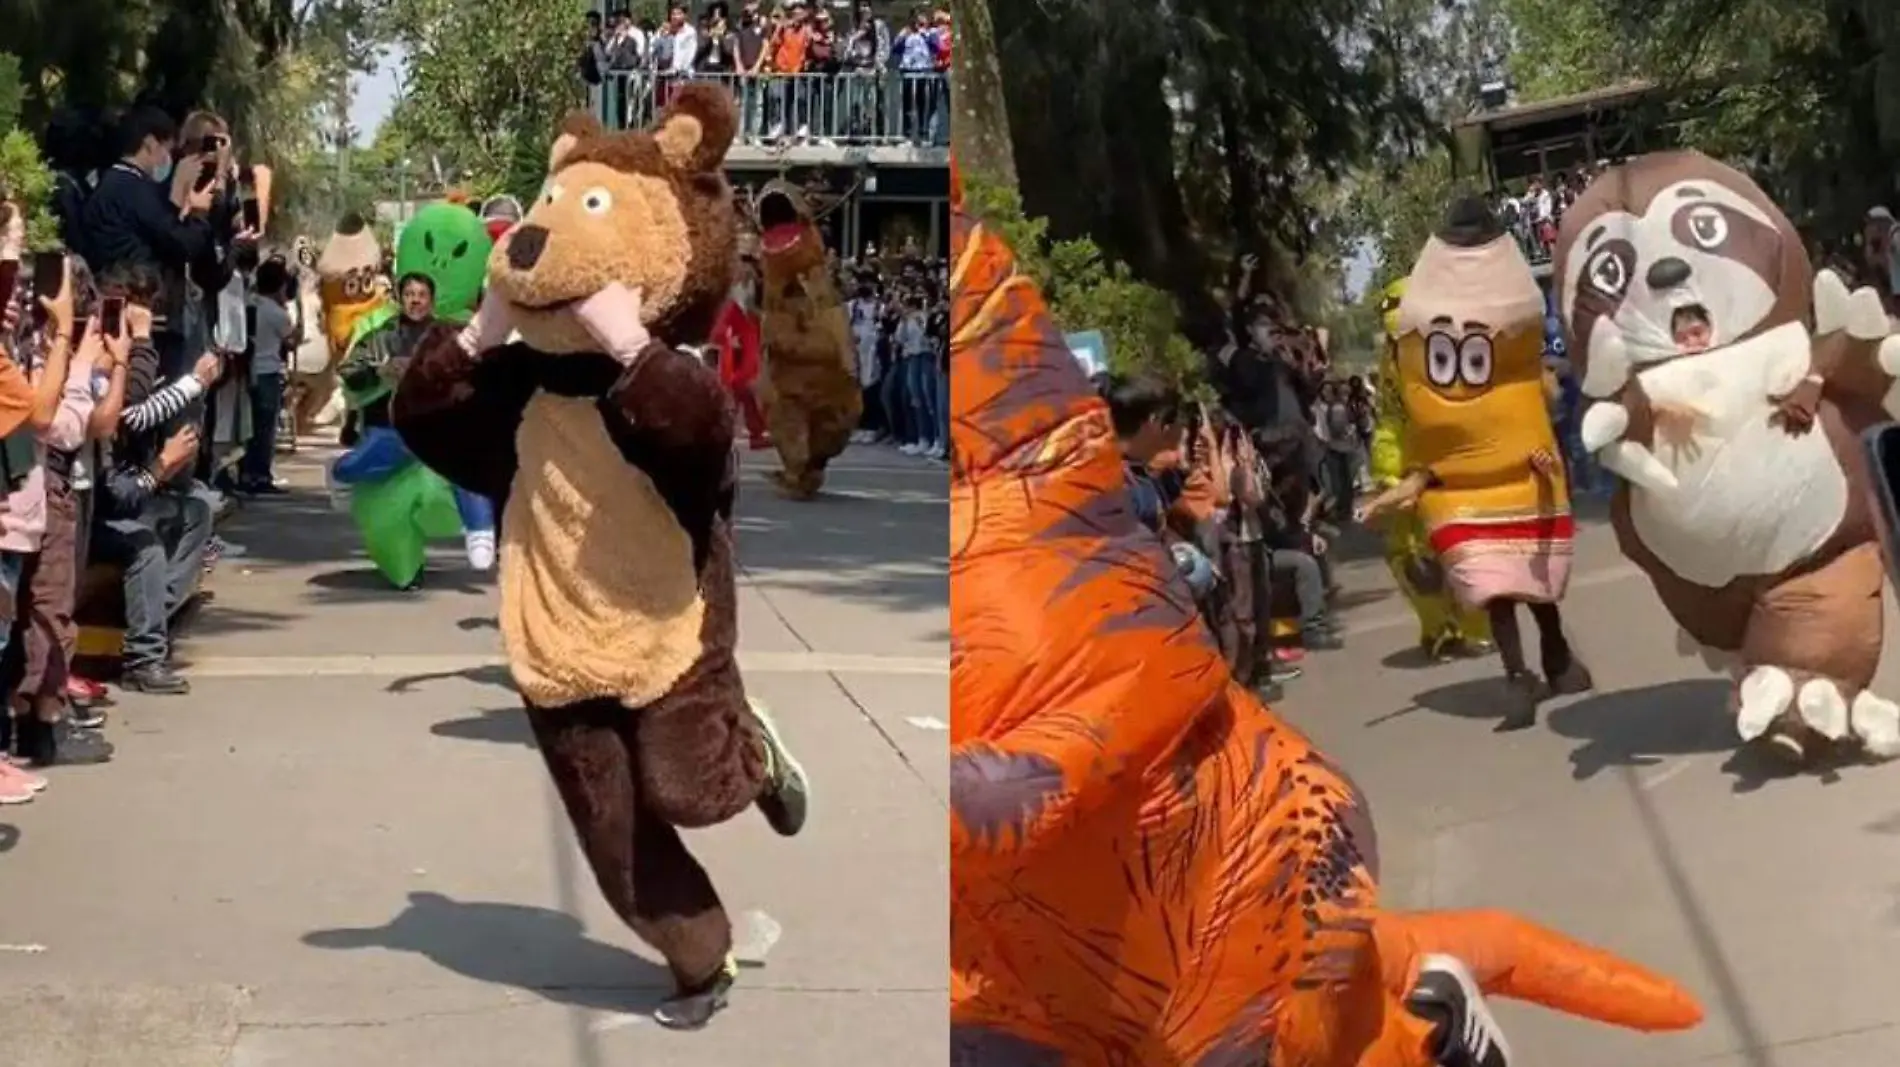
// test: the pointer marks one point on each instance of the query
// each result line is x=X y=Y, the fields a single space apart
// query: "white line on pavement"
x=375 y=666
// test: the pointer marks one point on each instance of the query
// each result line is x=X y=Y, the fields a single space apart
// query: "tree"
x=484 y=91
x=1804 y=94
x=980 y=131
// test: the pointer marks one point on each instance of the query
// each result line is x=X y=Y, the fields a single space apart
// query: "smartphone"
x=253 y=215
x=112 y=315
x=207 y=173
x=211 y=144
x=49 y=273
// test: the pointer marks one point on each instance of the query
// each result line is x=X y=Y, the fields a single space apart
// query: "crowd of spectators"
x=1249 y=489
x=1533 y=214
x=141 y=381
x=796 y=73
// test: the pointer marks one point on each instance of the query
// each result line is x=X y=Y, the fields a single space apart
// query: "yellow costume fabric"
x=1442 y=622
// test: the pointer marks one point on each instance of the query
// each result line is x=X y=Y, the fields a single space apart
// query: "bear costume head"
x=789 y=244
x=649 y=209
x=1670 y=232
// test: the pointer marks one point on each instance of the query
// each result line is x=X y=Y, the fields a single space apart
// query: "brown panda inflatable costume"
x=610 y=452
x=1731 y=386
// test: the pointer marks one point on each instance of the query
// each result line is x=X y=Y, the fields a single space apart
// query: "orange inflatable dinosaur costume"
x=1147 y=866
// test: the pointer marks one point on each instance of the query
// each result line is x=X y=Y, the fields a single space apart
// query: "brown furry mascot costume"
x=1732 y=386
x=611 y=454
x=811 y=395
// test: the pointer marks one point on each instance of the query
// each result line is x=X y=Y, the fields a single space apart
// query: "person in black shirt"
x=718 y=53
x=145 y=210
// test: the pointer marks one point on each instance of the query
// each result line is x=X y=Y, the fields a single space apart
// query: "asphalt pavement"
x=340 y=850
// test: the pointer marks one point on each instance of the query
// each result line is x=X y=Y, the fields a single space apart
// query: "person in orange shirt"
x=16 y=392
x=790 y=106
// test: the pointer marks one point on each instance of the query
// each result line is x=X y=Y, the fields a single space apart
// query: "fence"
x=846 y=110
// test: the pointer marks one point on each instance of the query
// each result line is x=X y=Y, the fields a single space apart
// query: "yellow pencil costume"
x=1482 y=456
x=1444 y=626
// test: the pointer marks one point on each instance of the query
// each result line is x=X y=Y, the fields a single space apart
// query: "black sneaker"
x=159 y=681
x=1463 y=1032
x=1521 y=694
x=85 y=718
x=787 y=792
x=45 y=744
x=1270 y=691
x=1322 y=640
x=691 y=1009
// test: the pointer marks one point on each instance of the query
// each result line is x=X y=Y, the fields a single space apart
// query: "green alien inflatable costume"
x=399 y=504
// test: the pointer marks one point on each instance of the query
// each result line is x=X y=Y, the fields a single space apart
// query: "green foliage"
x=484 y=93
x=1085 y=290
x=12 y=93
x=24 y=178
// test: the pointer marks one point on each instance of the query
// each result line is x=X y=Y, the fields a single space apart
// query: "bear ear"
x=578 y=126
x=697 y=127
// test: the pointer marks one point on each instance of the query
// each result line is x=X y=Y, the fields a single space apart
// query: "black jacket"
x=129 y=218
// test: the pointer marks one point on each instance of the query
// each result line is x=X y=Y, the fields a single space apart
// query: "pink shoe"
x=12 y=774
x=14 y=791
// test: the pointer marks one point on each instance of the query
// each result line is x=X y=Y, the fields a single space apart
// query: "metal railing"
x=898 y=108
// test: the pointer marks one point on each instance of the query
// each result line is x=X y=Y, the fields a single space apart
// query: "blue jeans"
x=896 y=409
x=260 y=452
x=943 y=404
x=163 y=551
x=478 y=512
x=919 y=384
x=12 y=564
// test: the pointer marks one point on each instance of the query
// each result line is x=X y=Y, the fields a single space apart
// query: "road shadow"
x=9 y=836
x=504 y=726
x=494 y=674
x=357 y=584
x=1645 y=726
x=533 y=949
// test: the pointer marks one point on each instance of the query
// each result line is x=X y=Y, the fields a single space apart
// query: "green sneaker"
x=787 y=792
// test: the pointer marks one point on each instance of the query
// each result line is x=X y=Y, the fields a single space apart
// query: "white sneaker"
x=481 y=549
x=862 y=437
x=911 y=449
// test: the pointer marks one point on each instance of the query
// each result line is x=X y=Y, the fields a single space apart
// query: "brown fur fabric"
x=810 y=388
x=616 y=484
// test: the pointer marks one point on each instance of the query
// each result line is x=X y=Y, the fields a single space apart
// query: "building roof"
x=1559 y=107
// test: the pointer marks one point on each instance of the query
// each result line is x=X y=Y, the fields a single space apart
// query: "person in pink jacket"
x=39 y=534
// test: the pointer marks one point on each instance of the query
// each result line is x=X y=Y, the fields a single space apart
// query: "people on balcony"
x=796 y=76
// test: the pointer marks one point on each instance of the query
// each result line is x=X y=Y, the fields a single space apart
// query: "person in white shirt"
x=685 y=41
x=864 y=312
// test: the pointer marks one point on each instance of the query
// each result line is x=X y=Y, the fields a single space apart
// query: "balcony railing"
x=779 y=110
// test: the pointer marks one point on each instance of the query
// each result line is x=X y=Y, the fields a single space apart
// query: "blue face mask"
x=164 y=172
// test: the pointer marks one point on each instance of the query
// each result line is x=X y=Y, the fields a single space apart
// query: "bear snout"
x=525 y=246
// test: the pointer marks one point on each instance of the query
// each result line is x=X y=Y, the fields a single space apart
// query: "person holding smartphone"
x=149 y=515
x=40 y=524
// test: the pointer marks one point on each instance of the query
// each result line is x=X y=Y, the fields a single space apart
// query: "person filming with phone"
x=151 y=517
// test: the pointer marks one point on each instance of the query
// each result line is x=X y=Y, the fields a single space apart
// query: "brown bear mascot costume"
x=812 y=400
x=568 y=401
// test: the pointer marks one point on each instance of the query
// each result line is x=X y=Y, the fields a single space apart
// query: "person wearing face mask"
x=146 y=211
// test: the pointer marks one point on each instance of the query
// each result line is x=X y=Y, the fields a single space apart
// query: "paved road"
x=1628 y=819
x=340 y=850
